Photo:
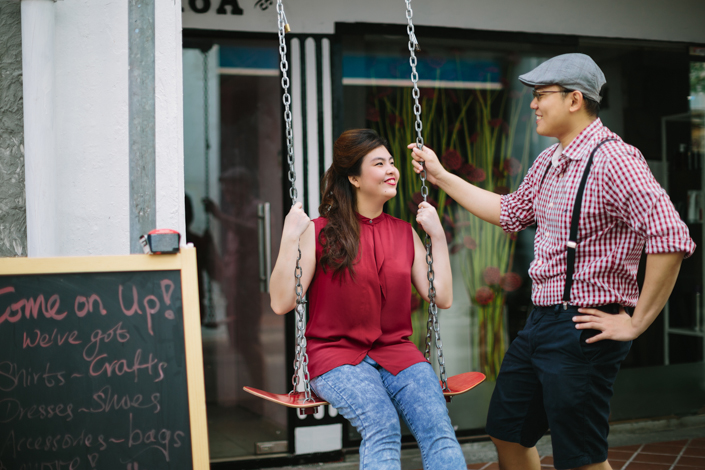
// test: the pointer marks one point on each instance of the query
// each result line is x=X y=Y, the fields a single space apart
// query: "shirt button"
x=550 y=205
x=548 y=234
x=538 y=286
x=540 y=262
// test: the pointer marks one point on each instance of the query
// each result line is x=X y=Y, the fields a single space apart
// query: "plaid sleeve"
x=517 y=208
x=633 y=195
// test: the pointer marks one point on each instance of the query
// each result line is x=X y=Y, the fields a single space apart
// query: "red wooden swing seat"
x=457 y=385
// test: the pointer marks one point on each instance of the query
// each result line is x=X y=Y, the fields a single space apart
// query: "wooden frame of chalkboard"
x=97 y=370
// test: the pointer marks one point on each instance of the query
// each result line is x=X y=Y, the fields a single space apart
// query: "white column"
x=38 y=96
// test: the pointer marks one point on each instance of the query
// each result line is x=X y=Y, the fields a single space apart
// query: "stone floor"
x=667 y=444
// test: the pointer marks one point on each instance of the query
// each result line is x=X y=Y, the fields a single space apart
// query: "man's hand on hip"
x=617 y=327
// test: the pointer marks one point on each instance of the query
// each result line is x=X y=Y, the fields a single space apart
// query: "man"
x=559 y=371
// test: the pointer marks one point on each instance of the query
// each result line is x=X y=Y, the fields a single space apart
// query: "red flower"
x=469 y=242
x=484 y=295
x=497 y=172
x=473 y=138
x=477 y=175
x=417 y=198
x=447 y=219
x=449 y=201
x=432 y=201
x=495 y=123
x=455 y=248
x=491 y=275
x=413 y=208
x=372 y=114
x=510 y=282
x=501 y=190
x=513 y=236
x=452 y=159
x=505 y=128
x=436 y=62
x=395 y=120
x=449 y=236
x=512 y=166
x=466 y=169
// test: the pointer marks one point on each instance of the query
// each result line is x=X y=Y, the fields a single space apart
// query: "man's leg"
x=577 y=379
x=513 y=456
x=516 y=418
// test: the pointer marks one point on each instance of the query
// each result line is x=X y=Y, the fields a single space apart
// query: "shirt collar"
x=368 y=221
x=577 y=149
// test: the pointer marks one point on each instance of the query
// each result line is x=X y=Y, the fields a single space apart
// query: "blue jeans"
x=372 y=399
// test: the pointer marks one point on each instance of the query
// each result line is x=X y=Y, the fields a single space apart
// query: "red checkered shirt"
x=623 y=209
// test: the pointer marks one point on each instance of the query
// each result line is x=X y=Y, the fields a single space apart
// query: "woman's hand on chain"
x=296 y=222
x=427 y=218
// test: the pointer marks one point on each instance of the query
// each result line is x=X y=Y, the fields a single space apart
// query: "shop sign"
x=234 y=15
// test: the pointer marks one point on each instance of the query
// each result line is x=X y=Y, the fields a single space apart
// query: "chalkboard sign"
x=101 y=364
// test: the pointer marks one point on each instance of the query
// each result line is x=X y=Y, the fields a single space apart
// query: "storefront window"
x=476 y=116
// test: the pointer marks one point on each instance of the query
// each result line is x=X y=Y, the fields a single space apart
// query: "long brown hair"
x=341 y=236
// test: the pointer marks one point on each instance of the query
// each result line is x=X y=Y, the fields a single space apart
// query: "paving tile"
x=697 y=462
x=547 y=460
x=495 y=466
x=659 y=449
x=476 y=466
x=694 y=451
x=699 y=442
x=619 y=455
x=647 y=466
x=679 y=443
x=617 y=464
x=633 y=448
x=654 y=458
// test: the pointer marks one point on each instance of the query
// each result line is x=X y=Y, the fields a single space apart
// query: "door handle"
x=264 y=226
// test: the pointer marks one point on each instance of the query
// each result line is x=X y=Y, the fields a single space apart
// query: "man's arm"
x=661 y=274
x=479 y=202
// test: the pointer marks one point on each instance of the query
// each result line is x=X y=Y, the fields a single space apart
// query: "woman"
x=358 y=266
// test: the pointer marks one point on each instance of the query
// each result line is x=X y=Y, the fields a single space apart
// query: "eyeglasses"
x=539 y=94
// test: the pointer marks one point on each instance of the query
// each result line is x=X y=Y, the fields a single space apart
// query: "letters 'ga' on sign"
x=101 y=364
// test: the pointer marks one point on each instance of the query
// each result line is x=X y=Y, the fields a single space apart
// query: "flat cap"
x=572 y=71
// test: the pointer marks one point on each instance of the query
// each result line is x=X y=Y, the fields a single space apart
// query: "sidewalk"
x=669 y=444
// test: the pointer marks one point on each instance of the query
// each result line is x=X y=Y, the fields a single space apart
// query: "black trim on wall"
x=321 y=127
x=304 y=121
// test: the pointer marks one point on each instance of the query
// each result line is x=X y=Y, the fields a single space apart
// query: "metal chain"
x=301 y=357
x=209 y=318
x=432 y=324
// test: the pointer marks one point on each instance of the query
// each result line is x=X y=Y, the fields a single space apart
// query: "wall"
x=90 y=101
x=13 y=226
x=673 y=20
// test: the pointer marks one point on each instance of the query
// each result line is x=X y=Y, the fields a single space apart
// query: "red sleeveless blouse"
x=370 y=315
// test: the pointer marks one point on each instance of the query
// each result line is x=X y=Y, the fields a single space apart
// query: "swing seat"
x=462 y=383
x=294 y=400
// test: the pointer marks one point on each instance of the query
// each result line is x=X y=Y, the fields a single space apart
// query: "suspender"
x=574 y=220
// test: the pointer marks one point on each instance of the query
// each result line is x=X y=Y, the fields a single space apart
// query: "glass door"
x=233 y=183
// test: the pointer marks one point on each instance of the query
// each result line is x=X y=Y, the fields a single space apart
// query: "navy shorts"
x=551 y=378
